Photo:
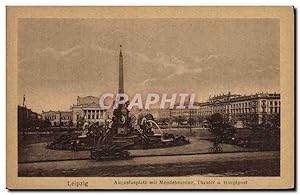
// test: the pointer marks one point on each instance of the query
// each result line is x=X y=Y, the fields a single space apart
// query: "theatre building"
x=88 y=108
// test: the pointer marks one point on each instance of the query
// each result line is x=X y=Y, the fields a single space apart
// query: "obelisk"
x=121 y=76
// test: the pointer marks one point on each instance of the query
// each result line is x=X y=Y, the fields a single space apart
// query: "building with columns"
x=234 y=107
x=241 y=107
x=88 y=109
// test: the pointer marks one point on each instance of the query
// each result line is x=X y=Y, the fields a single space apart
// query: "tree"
x=80 y=122
x=179 y=119
x=251 y=121
x=164 y=121
x=70 y=123
x=271 y=128
x=265 y=135
x=220 y=128
x=199 y=119
x=191 y=122
x=46 y=123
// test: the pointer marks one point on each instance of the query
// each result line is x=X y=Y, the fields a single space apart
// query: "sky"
x=60 y=59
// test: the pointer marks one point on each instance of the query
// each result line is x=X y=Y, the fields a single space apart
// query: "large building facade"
x=88 y=109
x=232 y=106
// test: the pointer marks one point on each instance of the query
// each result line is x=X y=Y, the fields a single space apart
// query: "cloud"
x=174 y=65
x=70 y=50
x=49 y=51
x=91 y=69
x=206 y=58
x=180 y=67
x=165 y=67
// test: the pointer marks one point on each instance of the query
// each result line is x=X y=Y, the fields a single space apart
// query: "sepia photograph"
x=151 y=97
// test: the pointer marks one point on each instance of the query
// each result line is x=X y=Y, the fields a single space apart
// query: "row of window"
x=243 y=110
x=245 y=104
x=92 y=116
x=92 y=111
x=53 y=117
x=275 y=103
x=235 y=109
x=242 y=104
x=66 y=118
x=205 y=113
x=275 y=110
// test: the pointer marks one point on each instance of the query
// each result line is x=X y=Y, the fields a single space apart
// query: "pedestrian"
x=74 y=145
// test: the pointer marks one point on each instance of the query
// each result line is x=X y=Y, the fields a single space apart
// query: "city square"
x=151 y=134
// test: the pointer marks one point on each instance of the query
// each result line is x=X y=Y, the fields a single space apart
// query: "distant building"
x=88 y=109
x=52 y=117
x=58 y=118
x=240 y=107
x=66 y=118
x=232 y=107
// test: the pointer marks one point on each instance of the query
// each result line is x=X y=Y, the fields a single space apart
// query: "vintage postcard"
x=150 y=98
